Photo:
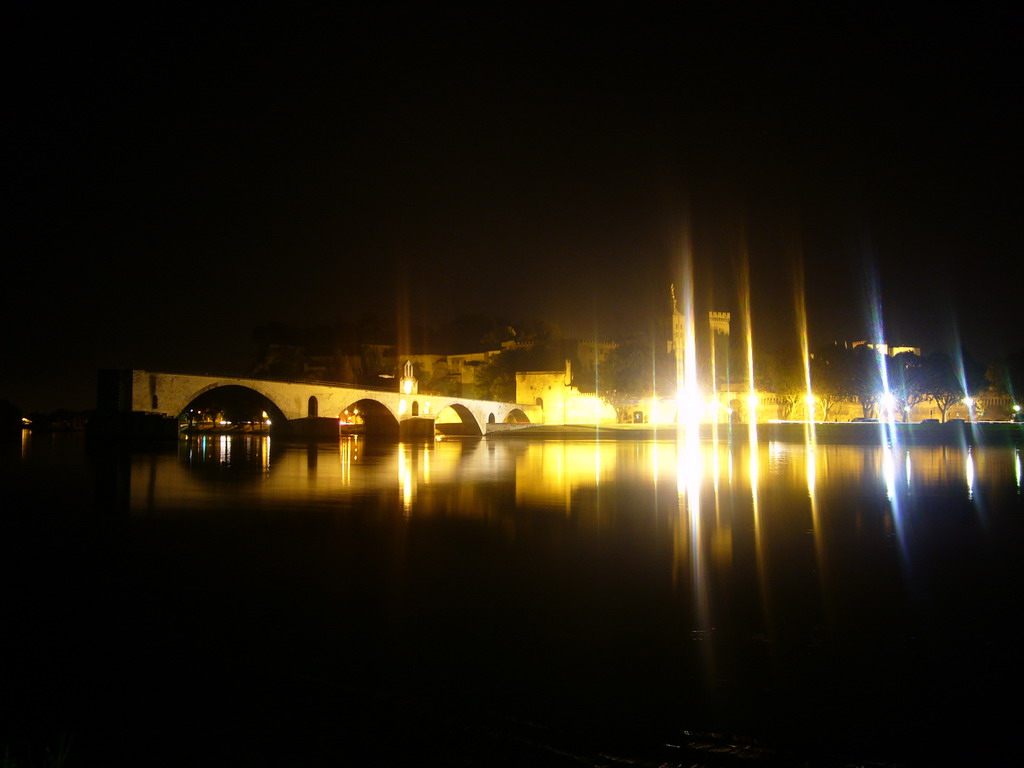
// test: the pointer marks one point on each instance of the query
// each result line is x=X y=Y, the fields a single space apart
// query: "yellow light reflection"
x=548 y=473
x=811 y=466
x=818 y=530
x=969 y=472
x=889 y=472
x=348 y=454
x=405 y=478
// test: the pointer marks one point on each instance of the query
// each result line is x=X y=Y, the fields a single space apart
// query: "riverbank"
x=835 y=433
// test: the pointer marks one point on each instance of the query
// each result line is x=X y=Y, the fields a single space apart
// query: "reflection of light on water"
x=225 y=449
x=405 y=479
x=1016 y=466
x=906 y=469
x=548 y=472
x=715 y=475
x=970 y=475
x=889 y=472
x=689 y=453
x=348 y=453
x=817 y=531
x=811 y=476
x=753 y=472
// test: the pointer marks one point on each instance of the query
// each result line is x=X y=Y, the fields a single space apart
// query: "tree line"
x=643 y=366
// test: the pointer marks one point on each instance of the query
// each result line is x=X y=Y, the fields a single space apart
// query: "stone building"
x=560 y=402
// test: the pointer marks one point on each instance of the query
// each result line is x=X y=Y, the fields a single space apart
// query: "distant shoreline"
x=828 y=433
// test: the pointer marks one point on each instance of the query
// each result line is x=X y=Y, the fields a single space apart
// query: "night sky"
x=174 y=182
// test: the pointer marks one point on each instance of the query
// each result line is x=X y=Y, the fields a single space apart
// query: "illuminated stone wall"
x=561 y=403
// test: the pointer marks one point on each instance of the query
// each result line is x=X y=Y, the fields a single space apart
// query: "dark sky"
x=174 y=182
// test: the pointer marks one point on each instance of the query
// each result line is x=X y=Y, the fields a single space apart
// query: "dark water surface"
x=239 y=601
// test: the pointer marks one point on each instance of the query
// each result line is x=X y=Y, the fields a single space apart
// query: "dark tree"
x=832 y=379
x=782 y=374
x=496 y=379
x=908 y=376
x=628 y=375
x=1007 y=376
x=942 y=383
x=866 y=378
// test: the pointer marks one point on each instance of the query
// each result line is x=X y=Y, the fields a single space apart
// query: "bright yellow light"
x=426 y=407
x=968 y=401
x=402 y=407
x=407 y=386
x=809 y=399
x=690 y=404
x=752 y=400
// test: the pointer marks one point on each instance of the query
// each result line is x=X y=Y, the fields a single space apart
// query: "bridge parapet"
x=170 y=394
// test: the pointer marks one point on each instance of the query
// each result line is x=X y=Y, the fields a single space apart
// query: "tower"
x=678 y=338
x=409 y=385
x=718 y=326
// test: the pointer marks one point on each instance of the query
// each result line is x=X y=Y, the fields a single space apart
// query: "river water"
x=509 y=601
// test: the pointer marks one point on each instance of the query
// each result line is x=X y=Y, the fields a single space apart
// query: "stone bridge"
x=312 y=407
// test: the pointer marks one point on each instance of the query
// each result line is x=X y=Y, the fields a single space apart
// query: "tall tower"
x=718 y=326
x=678 y=339
x=719 y=322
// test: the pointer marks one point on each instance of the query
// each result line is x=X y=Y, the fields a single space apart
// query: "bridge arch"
x=232 y=402
x=375 y=417
x=456 y=419
x=517 y=416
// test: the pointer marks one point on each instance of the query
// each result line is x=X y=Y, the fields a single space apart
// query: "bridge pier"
x=416 y=428
x=311 y=428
